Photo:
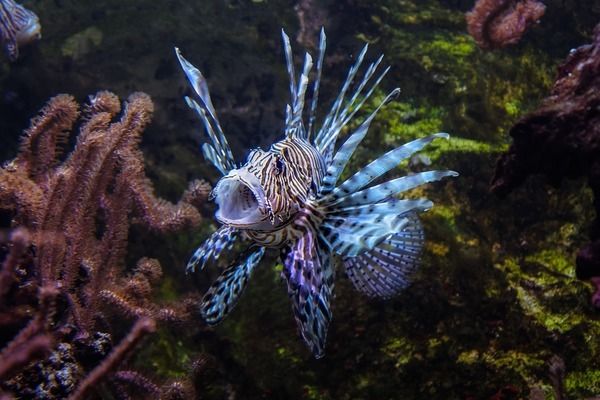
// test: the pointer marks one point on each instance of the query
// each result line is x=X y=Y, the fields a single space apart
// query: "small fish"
x=289 y=198
x=18 y=27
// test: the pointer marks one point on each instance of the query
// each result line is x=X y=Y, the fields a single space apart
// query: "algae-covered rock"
x=495 y=300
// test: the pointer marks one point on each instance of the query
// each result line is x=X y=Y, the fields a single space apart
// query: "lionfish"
x=288 y=198
x=18 y=26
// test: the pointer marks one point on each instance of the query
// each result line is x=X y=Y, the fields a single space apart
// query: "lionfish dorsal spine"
x=317 y=83
x=215 y=152
x=208 y=115
x=293 y=122
x=338 y=118
x=330 y=118
x=342 y=156
x=295 y=127
x=289 y=62
x=383 y=164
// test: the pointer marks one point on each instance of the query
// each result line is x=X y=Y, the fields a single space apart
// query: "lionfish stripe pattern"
x=288 y=198
x=224 y=293
x=222 y=239
x=18 y=26
x=386 y=269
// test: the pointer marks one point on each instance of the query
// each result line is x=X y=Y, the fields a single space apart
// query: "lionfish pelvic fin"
x=225 y=292
x=212 y=247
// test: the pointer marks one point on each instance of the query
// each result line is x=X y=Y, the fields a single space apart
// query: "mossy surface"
x=496 y=297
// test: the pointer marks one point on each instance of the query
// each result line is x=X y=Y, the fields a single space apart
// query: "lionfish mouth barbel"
x=289 y=198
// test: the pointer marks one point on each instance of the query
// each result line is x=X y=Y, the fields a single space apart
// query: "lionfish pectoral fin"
x=351 y=231
x=308 y=271
x=225 y=292
x=388 y=267
x=357 y=218
x=212 y=247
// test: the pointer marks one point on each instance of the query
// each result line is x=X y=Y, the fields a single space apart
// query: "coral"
x=561 y=140
x=65 y=262
x=470 y=93
x=499 y=23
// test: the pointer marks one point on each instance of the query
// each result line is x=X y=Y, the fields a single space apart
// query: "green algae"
x=400 y=349
x=82 y=43
x=587 y=383
x=435 y=54
x=168 y=355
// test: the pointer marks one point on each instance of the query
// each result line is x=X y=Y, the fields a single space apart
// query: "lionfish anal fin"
x=308 y=271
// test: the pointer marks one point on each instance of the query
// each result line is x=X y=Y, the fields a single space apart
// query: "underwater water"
x=495 y=310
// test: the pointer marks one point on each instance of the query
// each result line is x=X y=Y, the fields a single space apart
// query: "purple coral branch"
x=19 y=240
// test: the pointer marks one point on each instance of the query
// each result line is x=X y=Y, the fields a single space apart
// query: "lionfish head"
x=267 y=191
x=29 y=30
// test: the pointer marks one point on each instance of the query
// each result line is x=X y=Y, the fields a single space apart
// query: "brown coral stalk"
x=77 y=214
x=40 y=145
x=134 y=378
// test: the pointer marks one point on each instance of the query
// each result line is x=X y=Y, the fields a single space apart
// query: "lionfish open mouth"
x=240 y=199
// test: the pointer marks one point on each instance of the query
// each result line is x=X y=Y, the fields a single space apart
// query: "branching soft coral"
x=65 y=257
x=499 y=23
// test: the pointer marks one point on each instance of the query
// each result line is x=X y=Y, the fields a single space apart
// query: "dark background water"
x=496 y=298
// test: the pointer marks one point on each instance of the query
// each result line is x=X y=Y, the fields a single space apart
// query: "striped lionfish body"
x=289 y=198
x=18 y=26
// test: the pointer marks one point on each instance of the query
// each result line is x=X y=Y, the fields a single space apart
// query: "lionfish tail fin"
x=225 y=292
x=387 y=268
x=219 y=153
x=308 y=271
x=212 y=247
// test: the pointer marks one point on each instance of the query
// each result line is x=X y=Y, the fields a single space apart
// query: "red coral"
x=499 y=23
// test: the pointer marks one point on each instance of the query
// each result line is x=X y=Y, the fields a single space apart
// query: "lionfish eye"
x=279 y=164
